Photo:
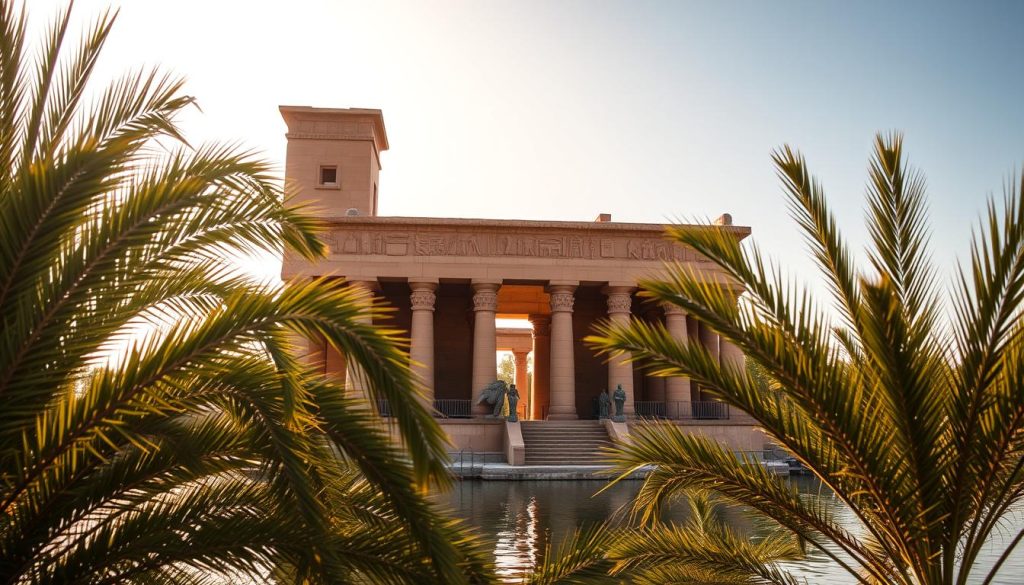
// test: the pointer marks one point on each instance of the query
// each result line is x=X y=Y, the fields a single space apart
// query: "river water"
x=522 y=517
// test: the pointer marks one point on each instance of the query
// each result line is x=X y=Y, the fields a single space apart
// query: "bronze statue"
x=513 y=401
x=620 y=402
x=603 y=404
x=494 y=393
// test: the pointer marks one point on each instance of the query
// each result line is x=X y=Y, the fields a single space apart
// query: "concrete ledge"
x=505 y=472
x=618 y=432
x=515 y=448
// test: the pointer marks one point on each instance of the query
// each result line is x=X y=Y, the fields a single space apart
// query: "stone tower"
x=333 y=158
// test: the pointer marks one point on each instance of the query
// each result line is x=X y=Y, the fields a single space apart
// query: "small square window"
x=329 y=176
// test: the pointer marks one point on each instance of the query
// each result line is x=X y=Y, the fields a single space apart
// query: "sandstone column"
x=355 y=378
x=563 y=364
x=540 y=390
x=521 y=384
x=421 y=348
x=709 y=339
x=677 y=388
x=485 y=364
x=310 y=351
x=730 y=354
x=620 y=371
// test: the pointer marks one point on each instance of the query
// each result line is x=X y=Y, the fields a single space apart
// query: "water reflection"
x=523 y=517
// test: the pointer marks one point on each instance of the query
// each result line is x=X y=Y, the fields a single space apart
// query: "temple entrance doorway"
x=515 y=358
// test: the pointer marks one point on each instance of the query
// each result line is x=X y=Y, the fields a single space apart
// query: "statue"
x=620 y=401
x=513 y=401
x=603 y=404
x=494 y=393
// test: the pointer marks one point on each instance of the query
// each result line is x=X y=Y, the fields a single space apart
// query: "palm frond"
x=580 y=560
x=157 y=427
x=917 y=436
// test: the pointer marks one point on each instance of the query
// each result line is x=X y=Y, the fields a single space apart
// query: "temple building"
x=450 y=280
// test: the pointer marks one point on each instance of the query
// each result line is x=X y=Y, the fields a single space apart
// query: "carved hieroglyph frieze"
x=387 y=242
x=332 y=130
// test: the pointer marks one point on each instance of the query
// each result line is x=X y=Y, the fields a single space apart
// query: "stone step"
x=567 y=440
x=562 y=443
x=573 y=437
x=547 y=428
x=562 y=425
x=588 y=432
x=564 y=431
x=603 y=442
x=601 y=433
x=567 y=460
x=546 y=443
x=564 y=462
x=565 y=453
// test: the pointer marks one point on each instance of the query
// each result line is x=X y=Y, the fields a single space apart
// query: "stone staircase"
x=564 y=442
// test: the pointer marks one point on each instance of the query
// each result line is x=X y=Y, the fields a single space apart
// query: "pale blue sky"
x=645 y=110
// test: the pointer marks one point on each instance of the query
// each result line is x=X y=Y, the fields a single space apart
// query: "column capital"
x=423 y=297
x=561 y=297
x=541 y=325
x=620 y=299
x=673 y=309
x=485 y=296
x=366 y=285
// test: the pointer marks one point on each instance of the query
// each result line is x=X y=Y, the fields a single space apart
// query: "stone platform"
x=506 y=472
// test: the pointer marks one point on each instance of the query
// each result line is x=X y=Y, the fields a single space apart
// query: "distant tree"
x=207 y=452
x=507 y=368
x=913 y=417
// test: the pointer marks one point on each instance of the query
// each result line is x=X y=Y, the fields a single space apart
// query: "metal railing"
x=443 y=408
x=679 y=410
x=649 y=409
x=682 y=410
x=453 y=408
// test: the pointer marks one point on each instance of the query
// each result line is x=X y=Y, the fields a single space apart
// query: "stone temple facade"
x=449 y=279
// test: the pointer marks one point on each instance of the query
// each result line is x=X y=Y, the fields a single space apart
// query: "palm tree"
x=912 y=415
x=156 y=424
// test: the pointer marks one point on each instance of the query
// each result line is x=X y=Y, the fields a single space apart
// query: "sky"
x=650 y=111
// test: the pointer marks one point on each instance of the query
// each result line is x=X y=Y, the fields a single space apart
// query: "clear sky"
x=645 y=110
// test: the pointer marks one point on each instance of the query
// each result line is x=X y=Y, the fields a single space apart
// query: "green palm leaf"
x=913 y=423
x=158 y=426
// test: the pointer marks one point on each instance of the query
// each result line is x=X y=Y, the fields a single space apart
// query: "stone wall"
x=477 y=435
x=740 y=435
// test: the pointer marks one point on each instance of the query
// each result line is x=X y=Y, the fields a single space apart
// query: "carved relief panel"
x=389 y=242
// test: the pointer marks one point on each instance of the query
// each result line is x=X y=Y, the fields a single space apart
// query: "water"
x=522 y=517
